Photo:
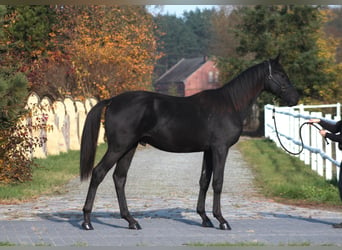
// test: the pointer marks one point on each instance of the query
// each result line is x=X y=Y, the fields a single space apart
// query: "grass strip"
x=49 y=177
x=280 y=175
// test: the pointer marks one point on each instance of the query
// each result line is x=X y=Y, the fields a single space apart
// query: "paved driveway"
x=162 y=191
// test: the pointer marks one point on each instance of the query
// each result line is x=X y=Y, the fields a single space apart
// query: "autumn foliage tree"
x=112 y=48
x=84 y=51
x=328 y=51
x=81 y=50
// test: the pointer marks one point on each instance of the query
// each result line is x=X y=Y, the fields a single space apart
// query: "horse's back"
x=152 y=100
x=148 y=107
x=129 y=107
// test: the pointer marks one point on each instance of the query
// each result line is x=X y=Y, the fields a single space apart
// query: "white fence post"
x=314 y=144
x=328 y=150
x=320 y=163
x=52 y=147
x=267 y=117
x=33 y=103
x=81 y=116
x=306 y=154
x=61 y=125
x=73 y=123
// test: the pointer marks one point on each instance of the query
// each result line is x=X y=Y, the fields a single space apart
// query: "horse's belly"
x=177 y=143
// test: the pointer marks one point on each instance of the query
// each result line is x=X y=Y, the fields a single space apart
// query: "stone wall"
x=64 y=120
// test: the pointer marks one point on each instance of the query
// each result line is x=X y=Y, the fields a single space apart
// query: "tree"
x=182 y=37
x=328 y=45
x=93 y=50
x=294 y=32
x=175 y=41
x=26 y=32
x=13 y=91
x=199 y=22
x=28 y=29
x=112 y=48
x=334 y=27
x=223 y=41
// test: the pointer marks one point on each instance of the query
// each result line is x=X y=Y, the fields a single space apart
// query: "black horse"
x=210 y=121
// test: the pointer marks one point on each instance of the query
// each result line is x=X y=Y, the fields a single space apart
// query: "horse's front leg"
x=219 y=160
x=119 y=176
x=204 y=182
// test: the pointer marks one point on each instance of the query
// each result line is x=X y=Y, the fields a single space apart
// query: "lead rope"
x=300 y=135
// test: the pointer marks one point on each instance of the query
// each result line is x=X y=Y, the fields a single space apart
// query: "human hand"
x=314 y=120
x=323 y=132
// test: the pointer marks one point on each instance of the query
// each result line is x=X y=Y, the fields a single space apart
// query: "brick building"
x=188 y=77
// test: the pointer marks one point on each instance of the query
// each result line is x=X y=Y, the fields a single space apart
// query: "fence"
x=64 y=121
x=323 y=158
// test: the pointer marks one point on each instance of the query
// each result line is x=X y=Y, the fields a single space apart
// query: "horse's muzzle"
x=291 y=99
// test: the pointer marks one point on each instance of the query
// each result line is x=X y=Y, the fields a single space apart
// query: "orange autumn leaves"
x=113 y=49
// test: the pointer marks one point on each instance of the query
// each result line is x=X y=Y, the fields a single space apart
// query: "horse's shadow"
x=294 y=217
x=76 y=218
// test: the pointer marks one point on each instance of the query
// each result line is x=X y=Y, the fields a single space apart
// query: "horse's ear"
x=277 y=59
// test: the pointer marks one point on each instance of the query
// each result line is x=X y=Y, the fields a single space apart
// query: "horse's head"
x=278 y=83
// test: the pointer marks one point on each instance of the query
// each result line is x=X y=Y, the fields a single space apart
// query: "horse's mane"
x=245 y=87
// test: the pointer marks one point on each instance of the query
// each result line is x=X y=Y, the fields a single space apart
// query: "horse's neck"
x=244 y=90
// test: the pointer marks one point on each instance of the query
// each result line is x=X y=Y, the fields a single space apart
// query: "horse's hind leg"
x=119 y=177
x=98 y=174
x=204 y=185
x=219 y=159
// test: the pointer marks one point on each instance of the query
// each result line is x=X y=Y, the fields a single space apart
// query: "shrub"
x=16 y=140
x=16 y=147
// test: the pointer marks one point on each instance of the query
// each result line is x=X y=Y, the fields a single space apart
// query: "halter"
x=270 y=77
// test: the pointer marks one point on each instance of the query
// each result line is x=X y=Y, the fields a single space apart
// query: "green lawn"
x=280 y=175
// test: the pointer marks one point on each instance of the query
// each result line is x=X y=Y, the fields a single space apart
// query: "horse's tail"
x=89 y=139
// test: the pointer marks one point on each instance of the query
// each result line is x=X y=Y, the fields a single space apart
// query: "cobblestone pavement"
x=162 y=191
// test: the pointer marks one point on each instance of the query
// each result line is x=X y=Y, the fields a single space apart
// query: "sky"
x=178 y=9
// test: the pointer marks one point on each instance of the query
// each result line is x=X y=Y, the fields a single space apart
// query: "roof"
x=182 y=70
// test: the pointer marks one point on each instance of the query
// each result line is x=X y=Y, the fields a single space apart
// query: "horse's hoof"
x=135 y=226
x=87 y=226
x=207 y=223
x=225 y=226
